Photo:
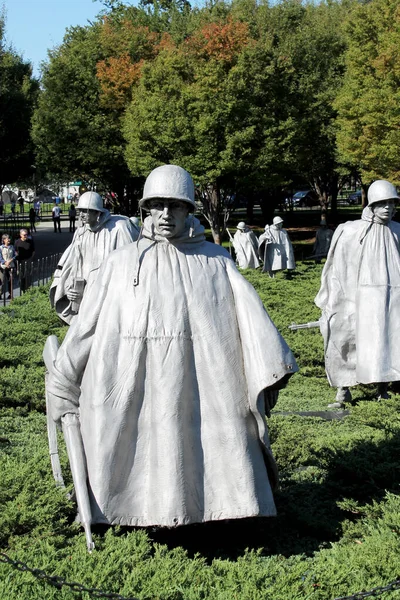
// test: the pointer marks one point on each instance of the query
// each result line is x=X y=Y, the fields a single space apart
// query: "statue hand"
x=270 y=398
x=74 y=295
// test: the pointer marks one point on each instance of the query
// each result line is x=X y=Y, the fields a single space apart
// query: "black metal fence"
x=27 y=274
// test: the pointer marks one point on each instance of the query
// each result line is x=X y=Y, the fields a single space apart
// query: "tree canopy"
x=18 y=93
x=368 y=103
x=250 y=97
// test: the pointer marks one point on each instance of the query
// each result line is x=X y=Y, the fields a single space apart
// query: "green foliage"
x=367 y=104
x=338 y=523
x=18 y=94
x=73 y=134
x=27 y=322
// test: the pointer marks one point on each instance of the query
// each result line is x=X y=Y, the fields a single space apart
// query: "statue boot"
x=343 y=395
x=383 y=393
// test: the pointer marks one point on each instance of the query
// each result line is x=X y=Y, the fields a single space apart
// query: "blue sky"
x=33 y=26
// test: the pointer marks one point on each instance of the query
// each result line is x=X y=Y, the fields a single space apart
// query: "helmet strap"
x=191 y=228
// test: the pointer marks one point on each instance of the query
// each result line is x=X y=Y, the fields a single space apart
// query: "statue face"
x=384 y=210
x=168 y=216
x=279 y=225
x=89 y=217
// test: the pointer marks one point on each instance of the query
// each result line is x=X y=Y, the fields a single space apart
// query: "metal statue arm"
x=310 y=325
x=76 y=453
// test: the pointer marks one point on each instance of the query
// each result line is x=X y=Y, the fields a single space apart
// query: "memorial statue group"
x=171 y=363
x=273 y=248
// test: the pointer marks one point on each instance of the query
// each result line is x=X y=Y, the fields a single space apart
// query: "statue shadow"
x=309 y=517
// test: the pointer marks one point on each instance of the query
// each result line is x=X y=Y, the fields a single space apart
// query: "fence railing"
x=27 y=274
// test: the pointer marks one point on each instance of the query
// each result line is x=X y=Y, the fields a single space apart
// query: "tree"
x=75 y=135
x=369 y=100
x=18 y=94
x=180 y=113
x=309 y=44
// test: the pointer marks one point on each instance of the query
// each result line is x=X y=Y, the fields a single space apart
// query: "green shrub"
x=338 y=524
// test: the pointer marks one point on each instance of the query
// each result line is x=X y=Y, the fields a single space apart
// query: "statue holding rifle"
x=100 y=234
x=323 y=239
x=167 y=373
x=275 y=248
x=245 y=244
x=360 y=298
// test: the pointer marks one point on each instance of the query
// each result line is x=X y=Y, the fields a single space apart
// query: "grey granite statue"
x=136 y=223
x=100 y=234
x=323 y=241
x=245 y=244
x=275 y=248
x=360 y=298
x=171 y=366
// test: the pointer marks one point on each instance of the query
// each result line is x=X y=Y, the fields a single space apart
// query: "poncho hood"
x=192 y=234
x=369 y=215
x=104 y=217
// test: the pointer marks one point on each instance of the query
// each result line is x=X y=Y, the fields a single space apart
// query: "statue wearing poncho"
x=167 y=364
x=245 y=244
x=360 y=296
x=89 y=247
x=275 y=248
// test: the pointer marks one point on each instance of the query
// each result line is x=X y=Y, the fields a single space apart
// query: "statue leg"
x=343 y=395
x=383 y=393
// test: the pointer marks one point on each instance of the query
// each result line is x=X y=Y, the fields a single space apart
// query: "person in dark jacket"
x=25 y=250
x=32 y=218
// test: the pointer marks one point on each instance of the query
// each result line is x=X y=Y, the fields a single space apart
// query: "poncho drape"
x=323 y=239
x=87 y=251
x=276 y=250
x=168 y=376
x=360 y=302
x=245 y=244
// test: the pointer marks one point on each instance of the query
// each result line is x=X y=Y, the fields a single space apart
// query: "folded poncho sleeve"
x=63 y=385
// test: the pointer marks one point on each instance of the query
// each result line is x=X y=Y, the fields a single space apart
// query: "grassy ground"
x=338 y=524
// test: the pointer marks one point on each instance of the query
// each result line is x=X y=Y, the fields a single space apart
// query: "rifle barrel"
x=310 y=325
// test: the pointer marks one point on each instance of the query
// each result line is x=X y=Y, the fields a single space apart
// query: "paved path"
x=47 y=242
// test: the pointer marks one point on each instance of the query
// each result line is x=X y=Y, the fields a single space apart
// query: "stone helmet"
x=381 y=190
x=169 y=182
x=91 y=201
x=242 y=226
x=277 y=220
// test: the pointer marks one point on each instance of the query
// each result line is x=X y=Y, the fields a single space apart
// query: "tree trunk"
x=364 y=198
x=268 y=203
x=212 y=209
x=250 y=209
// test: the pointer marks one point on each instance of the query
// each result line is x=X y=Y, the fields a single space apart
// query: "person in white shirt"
x=56 y=217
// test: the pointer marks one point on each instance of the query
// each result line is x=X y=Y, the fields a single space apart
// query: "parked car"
x=355 y=197
x=305 y=198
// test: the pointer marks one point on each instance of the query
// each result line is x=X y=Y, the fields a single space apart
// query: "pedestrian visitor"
x=56 y=212
x=32 y=218
x=7 y=266
x=38 y=207
x=25 y=250
x=72 y=218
